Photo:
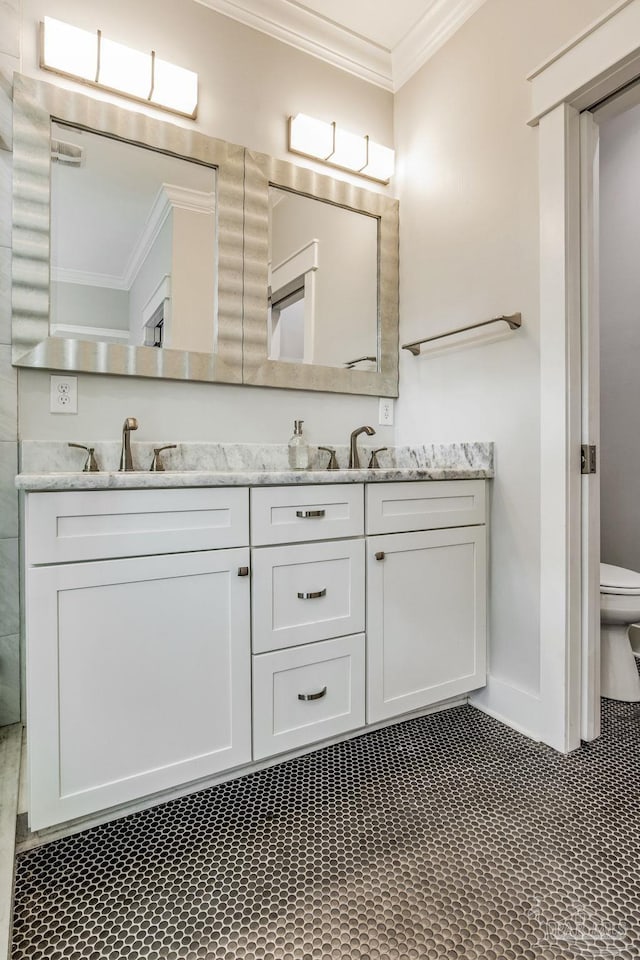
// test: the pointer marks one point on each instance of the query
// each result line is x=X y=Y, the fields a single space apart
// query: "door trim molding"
x=592 y=67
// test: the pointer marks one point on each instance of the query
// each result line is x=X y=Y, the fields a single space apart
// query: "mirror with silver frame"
x=127 y=241
x=146 y=276
x=229 y=315
x=321 y=282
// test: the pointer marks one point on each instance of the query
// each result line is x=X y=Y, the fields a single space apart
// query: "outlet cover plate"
x=385 y=412
x=63 y=395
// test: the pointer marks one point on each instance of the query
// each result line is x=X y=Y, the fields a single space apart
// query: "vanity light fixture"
x=330 y=144
x=93 y=59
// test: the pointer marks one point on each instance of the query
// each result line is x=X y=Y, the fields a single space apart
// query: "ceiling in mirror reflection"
x=133 y=245
x=323 y=305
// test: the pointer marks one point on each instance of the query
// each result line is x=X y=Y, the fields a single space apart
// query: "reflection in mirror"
x=133 y=244
x=323 y=282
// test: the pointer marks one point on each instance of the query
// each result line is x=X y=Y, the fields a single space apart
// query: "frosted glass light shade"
x=339 y=148
x=94 y=59
x=175 y=87
x=68 y=49
x=350 y=151
x=381 y=162
x=310 y=136
x=124 y=69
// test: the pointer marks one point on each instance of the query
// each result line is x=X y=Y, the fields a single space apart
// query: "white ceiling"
x=382 y=41
x=115 y=187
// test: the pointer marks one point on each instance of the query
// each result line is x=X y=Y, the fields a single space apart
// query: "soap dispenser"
x=298 y=448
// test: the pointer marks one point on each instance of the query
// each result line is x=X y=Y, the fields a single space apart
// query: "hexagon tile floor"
x=446 y=836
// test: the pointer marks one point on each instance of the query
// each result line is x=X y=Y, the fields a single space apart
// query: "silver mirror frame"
x=261 y=172
x=35 y=104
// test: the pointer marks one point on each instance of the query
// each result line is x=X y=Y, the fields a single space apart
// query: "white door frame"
x=590 y=492
x=592 y=67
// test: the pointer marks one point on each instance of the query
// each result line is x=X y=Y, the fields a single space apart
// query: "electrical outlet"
x=385 y=412
x=64 y=395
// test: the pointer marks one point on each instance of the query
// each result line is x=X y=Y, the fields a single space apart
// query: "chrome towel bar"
x=514 y=321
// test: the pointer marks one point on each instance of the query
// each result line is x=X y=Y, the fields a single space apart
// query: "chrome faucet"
x=126 y=462
x=354 y=459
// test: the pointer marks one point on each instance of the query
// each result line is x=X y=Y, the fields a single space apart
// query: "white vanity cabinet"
x=426 y=594
x=166 y=645
x=138 y=669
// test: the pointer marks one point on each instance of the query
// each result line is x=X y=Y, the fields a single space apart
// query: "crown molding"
x=86 y=279
x=440 y=22
x=81 y=331
x=328 y=41
x=167 y=198
x=198 y=201
x=311 y=33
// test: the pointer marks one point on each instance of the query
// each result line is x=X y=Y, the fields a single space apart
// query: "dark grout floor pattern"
x=448 y=836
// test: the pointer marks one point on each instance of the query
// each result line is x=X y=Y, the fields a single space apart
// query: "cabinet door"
x=138 y=678
x=426 y=610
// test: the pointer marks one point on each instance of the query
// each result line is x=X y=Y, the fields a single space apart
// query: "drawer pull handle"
x=310 y=514
x=314 y=595
x=243 y=571
x=380 y=555
x=313 y=696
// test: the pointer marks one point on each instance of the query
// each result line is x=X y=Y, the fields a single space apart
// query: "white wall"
x=80 y=305
x=193 y=280
x=249 y=85
x=468 y=193
x=620 y=339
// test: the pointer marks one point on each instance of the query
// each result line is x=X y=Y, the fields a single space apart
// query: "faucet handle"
x=90 y=464
x=373 y=462
x=333 y=463
x=157 y=464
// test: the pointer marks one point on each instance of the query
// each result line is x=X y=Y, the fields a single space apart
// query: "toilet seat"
x=618 y=581
x=619 y=608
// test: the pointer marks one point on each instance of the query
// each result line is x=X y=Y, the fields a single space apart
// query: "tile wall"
x=9 y=609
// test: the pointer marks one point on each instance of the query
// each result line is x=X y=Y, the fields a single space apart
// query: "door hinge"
x=588 y=458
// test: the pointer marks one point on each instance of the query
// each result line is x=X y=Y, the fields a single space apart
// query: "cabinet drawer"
x=102 y=524
x=424 y=505
x=307 y=592
x=297 y=514
x=306 y=694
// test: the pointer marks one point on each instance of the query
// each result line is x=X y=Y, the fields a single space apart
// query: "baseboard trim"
x=514 y=707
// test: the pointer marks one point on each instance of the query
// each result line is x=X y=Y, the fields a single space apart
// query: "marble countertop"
x=138 y=480
x=52 y=466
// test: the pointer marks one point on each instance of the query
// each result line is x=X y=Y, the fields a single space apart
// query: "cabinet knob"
x=379 y=555
x=243 y=571
x=313 y=696
x=314 y=595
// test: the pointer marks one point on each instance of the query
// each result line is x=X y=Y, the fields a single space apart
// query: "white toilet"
x=619 y=608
